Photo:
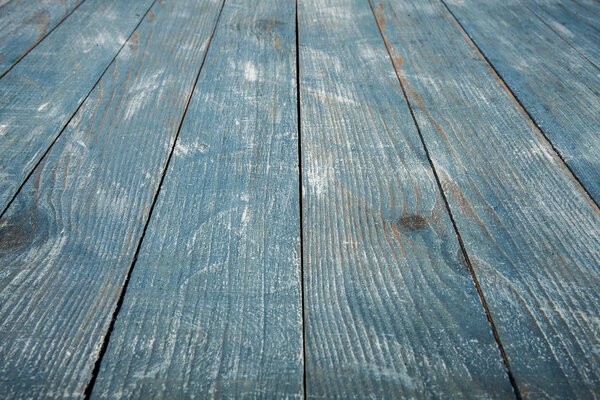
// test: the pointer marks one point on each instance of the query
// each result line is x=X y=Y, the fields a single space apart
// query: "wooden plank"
x=531 y=234
x=557 y=86
x=23 y=24
x=43 y=91
x=575 y=21
x=213 y=308
x=391 y=308
x=69 y=238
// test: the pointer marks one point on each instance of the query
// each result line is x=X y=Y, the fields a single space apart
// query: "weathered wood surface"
x=576 y=21
x=391 y=308
x=213 y=307
x=24 y=23
x=69 y=238
x=42 y=92
x=559 y=88
x=531 y=233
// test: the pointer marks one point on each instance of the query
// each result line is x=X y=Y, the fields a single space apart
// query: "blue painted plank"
x=531 y=233
x=24 y=23
x=213 y=308
x=558 y=87
x=41 y=93
x=576 y=21
x=391 y=308
x=69 y=238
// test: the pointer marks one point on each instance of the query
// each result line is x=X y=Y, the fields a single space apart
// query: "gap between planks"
x=536 y=125
x=76 y=110
x=553 y=30
x=458 y=235
x=34 y=45
x=301 y=211
x=88 y=390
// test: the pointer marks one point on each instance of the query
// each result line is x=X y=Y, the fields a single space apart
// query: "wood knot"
x=16 y=236
x=21 y=229
x=412 y=223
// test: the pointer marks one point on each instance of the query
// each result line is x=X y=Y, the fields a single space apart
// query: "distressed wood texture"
x=42 y=92
x=213 y=307
x=576 y=21
x=532 y=235
x=24 y=23
x=391 y=308
x=559 y=88
x=69 y=238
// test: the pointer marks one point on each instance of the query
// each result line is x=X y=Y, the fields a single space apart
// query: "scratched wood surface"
x=213 y=308
x=531 y=234
x=69 y=238
x=559 y=88
x=391 y=308
x=299 y=199
x=576 y=21
x=41 y=93
x=24 y=23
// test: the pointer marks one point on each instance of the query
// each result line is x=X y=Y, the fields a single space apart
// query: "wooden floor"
x=315 y=199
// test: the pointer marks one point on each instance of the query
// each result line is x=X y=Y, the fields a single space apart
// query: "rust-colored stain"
x=398 y=61
x=380 y=17
x=135 y=39
x=276 y=43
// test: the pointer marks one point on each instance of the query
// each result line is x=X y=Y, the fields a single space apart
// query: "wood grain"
x=559 y=88
x=532 y=235
x=69 y=238
x=576 y=21
x=391 y=308
x=43 y=91
x=213 y=308
x=24 y=23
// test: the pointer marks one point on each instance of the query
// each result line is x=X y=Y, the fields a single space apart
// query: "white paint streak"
x=562 y=29
x=250 y=73
x=181 y=150
x=245 y=217
x=317 y=180
x=545 y=152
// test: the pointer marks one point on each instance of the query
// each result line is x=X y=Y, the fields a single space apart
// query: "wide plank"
x=531 y=233
x=576 y=21
x=557 y=86
x=69 y=238
x=213 y=308
x=391 y=308
x=24 y=23
x=43 y=91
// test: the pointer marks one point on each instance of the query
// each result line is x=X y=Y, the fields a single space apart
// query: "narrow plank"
x=41 y=93
x=23 y=24
x=532 y=235
x=213 y=308
x=557 y=86
x=576 y=21
x=69 y=238
x=391 y=308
